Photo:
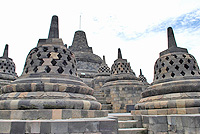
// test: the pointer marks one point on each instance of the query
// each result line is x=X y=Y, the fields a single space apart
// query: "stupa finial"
x=171 y=38
x=104 y=60
x=119 y=54
x=54 y=31
x=140 y=71
x=5 y=53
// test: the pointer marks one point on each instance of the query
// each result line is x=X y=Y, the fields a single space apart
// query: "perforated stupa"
x=176 y=85
x=7 y=69
x=49 y=87
x=122 y=88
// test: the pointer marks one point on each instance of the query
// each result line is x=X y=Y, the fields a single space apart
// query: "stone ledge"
x=51 y=114
x=68 y=126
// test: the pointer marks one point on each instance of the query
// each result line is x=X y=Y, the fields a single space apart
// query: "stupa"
x=87 y=62
x=122 y=88
x=49 y=84
x=143 y=78
x=7 y=69
x=176 y=85
x=98 y=81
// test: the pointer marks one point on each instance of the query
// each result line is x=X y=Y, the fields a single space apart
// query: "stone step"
x=127 y=124
x=106 y=107
x=100 y=98
x=102 y=101
x=122 y=116
x=132 y=131
x=98 y=95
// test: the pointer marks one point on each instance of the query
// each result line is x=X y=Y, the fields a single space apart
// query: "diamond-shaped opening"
x=48 y=55
x=68 y=58
x=159 y=70
x=70 y=71
x=47 y=69
x=163 y=76
x=172 y=74
x=156 y=77
x=55 y=49
x=73 y=66
x=176 y=67
x=156 y=65
x=64 y=51
x=175 y=56
x=167 y=58
x=1 y=66
x=192 y=72
x=60 y=70
x=160 y=60
x=194 y=67
x=36 y=49
x=186 y=66
x=59 y=56
x=189 y=60
x=181 y=61
x=183 y=73
x=64 y=63
x=45 y=49
x=26 y=70
x=184 y=56
x=31 y=62
x=35 y=69
x=163 y=64
x=6 y=67
x=53 y=62
x=199 y=73
x=38 y=54
x=41 y=61
x=171 y=62
x=4 y=70
x=154 y=72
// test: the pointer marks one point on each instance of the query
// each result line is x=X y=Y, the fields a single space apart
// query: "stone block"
x=106 y=126
x=5 y=127
x=45 y=127
x=59 y=127
x=17 y=127
x=72 y=127
x=33 y=127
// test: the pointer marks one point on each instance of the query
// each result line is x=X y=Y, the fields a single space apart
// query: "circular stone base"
x=51 y=114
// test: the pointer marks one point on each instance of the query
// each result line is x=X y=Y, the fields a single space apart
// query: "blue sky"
x=138 y=27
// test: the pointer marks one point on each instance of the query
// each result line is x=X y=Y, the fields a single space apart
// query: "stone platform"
x=68 y=126
x=172 y=124
x=51 y=114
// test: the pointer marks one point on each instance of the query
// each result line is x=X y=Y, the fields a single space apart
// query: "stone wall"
x=172 y=124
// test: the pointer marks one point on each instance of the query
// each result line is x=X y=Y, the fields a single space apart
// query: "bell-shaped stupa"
x=49 y=87
x=176 y=85
x=7 y=68
x=87 y=62
x=98 y=81
x=122 y=88
x=143 y=78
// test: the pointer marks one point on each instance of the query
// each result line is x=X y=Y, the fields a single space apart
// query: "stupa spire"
x=54 y=29
x=5 y=53
x=104 y=60
x=119 y=54
x=140 y=71
x=171 y=38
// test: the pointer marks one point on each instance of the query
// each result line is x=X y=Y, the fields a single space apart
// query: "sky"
x=138 y=27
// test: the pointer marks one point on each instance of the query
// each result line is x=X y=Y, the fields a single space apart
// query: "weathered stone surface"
x=49 y=83
x=175 y=89
x=87 y=62
x=122 y=87
x=7 y=69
